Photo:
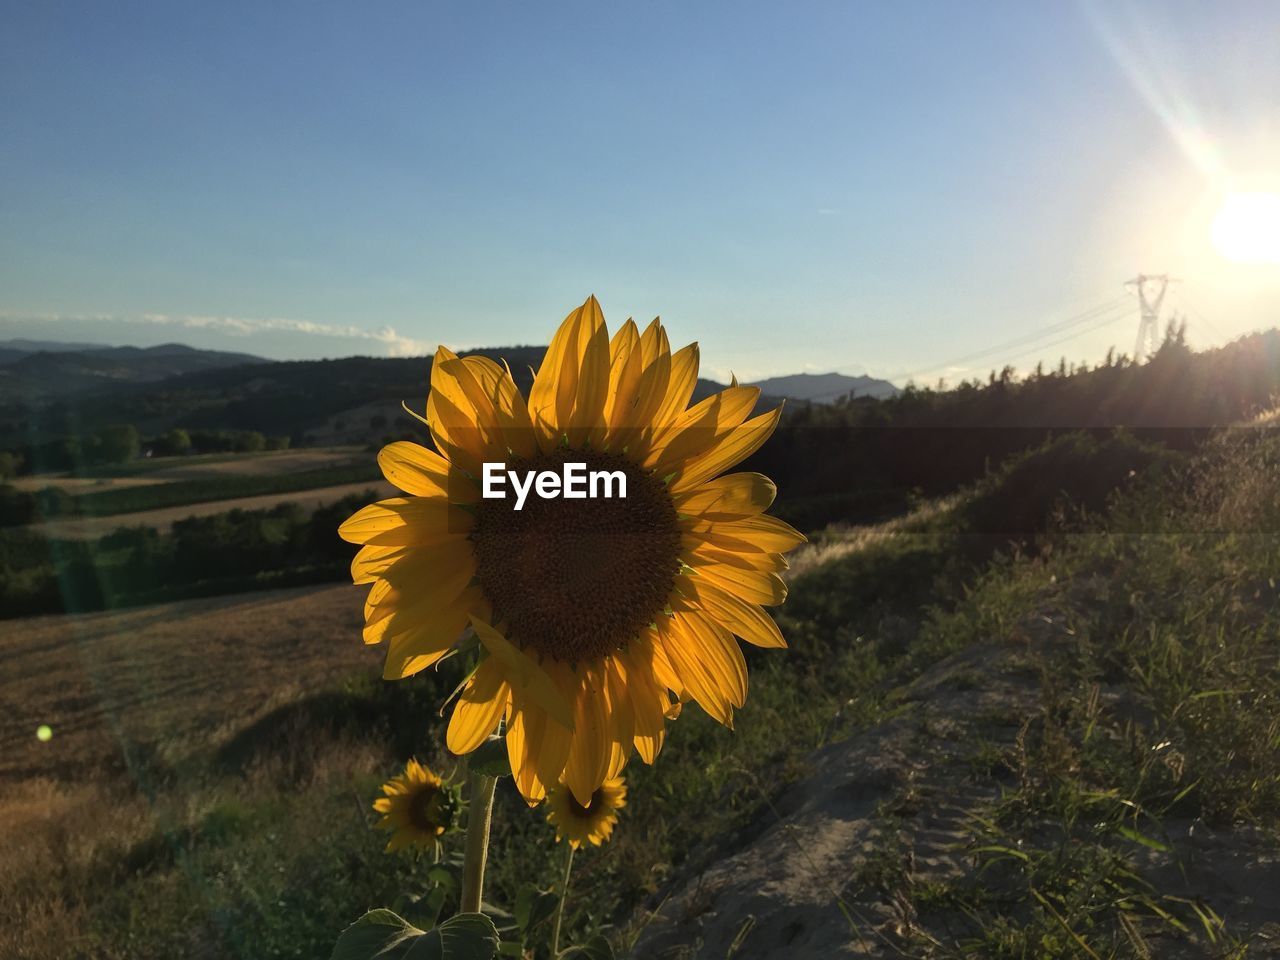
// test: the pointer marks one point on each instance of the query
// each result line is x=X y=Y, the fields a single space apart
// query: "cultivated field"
x=87 y=528
x=74 y=485
x=171 y=469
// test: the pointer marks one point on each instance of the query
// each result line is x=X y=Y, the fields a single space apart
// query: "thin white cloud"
x=396 y=345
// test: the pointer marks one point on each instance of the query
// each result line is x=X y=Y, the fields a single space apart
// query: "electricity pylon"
x=1151 y=290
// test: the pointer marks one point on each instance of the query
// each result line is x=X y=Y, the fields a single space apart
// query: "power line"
x=1109 y=307
x=1202 y=320
x=1067 y=339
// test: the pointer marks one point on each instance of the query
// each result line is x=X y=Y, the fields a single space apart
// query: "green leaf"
x=597 y=948
x=382 y=935
x=490 y=758
x=533 y=906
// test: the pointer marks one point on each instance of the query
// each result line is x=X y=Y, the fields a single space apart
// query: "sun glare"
x=1246 y=228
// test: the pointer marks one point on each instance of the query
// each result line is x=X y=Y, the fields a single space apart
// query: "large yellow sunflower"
x=597 y=617
x=416 y=807
x=591 y=822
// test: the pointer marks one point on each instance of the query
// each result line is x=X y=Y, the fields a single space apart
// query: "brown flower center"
x=424 y=808
x=575 y=579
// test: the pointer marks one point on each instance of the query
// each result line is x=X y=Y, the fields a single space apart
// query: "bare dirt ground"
x=120 y=686
x=84 y=528
x=812 y=877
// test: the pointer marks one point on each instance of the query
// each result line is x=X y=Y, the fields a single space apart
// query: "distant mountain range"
x=826 y=387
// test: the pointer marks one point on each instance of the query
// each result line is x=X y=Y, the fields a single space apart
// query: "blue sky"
x=858 y=186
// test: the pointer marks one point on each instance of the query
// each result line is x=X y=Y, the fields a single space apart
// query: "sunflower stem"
x=479 y=816
x=564 y=893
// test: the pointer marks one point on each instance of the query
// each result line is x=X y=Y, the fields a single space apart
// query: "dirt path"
x=834 y=866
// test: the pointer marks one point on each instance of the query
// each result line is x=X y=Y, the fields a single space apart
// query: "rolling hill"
x=331 y=401
x=38 y=370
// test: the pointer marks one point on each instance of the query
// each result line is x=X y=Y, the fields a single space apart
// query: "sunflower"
x=417 y=808
x=591 y=822
x=596 y=617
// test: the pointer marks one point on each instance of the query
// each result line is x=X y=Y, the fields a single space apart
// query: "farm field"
x=77 y=485
x=88 y=528
x=145 y=472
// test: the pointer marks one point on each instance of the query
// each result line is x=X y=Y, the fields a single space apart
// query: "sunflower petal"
x=727 y=450
x=697 y=429
x=370 y=562
x=589 y=750
x=406 y=521
x=680 y=384
x=508 y=405
x=429 y=640
x=698 y=554
x=555 y=386
x=718 y=651
x=621 y=715
x=526 y=677
x=701 y=677
x=626 y=364
x=730 y=497
x=592 y=389
x=478 y=710
x=747 y=620
x=455 y=433
x=764 y=534
x=753 y=586
x=523 y=772
x=423 y=473
x=416 y=589
x=648 y=702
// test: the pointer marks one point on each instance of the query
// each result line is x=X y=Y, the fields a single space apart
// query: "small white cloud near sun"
x=1246 y=228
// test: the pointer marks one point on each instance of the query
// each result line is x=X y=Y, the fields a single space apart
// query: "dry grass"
x=841 y=540
x=85 y=528
x=139 y=700
x=117 y=687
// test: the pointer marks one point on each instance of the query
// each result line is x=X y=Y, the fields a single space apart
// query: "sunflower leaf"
x=534 y=906
x=383 y=935
x=490 y=758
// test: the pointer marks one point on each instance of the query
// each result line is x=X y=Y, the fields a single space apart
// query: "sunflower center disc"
x=424 y=808
x=576 y=579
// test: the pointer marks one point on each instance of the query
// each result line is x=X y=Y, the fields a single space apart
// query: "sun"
x=1246 y=228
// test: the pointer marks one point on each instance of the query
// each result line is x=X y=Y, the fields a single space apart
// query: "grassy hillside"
x=1141 y=622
